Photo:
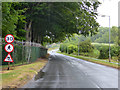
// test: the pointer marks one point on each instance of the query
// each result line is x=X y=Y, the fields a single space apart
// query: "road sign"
x=9 y=38
x=8 y=58
x=9 y=48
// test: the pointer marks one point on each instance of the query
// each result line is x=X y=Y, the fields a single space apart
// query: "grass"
x=94 y=54
x=107 y=44
x=98 y=61
x=12 y=64
x=19 y=75
x=49 y=49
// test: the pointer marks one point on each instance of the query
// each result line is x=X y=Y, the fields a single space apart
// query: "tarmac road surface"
x=64 y=71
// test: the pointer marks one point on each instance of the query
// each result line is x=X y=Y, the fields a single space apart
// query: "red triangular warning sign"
x=8 y=58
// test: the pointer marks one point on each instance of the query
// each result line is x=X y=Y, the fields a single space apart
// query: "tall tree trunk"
x=28 y=31
x=28 y=40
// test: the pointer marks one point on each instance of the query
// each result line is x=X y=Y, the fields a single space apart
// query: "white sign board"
x=8 y=58
x=9 y=48
x=9 y=38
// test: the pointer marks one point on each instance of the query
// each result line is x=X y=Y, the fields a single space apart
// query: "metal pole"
x=78 y=46
x=109 y=41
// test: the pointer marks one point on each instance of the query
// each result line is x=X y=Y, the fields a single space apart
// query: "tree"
x=49 y=21
x=11 y=16
x=52 y=22
x=103 y=35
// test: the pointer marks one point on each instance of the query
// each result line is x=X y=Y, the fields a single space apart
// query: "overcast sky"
x=108 y=7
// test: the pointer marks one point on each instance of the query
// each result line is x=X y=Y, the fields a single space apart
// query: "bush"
x=86 y=46
x=63 y=48
x=104 y=51
x=71 y=49
x=115 y=51
x=67 y=48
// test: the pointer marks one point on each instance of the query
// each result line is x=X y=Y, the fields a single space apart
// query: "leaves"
x=56 y=20
x=11 y=16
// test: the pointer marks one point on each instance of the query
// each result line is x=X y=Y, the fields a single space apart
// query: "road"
x=64 y=71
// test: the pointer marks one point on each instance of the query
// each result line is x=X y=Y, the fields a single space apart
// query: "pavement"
x=64 y=71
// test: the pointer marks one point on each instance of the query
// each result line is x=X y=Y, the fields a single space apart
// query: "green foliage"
x=86 y=46
x=115 y=51
x=103 y=35
x=97 y=50
x=13 y=20
x=63 y=48
x=49 y=21
x=104 y=52
x=10 y=17
x=71 y=49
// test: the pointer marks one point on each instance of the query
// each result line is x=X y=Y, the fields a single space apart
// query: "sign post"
x=8 y=65
x=9 y=48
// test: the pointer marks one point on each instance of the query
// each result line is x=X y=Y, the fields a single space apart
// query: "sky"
x=110 y=8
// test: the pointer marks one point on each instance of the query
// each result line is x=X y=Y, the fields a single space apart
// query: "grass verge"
x=102 y=62
x=49 y=49
x=19 y=75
